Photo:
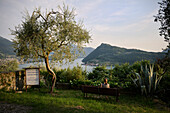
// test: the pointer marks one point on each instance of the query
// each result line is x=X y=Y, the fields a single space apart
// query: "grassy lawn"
x=72 y=101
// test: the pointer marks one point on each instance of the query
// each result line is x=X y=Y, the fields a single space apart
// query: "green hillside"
x=110 y=55
x=5 y=47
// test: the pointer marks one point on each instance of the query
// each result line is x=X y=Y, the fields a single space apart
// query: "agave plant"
x=147 y=80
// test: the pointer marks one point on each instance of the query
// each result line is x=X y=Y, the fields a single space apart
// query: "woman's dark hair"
x=105 y=80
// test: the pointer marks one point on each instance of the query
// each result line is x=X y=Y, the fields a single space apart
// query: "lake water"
x=59 y=66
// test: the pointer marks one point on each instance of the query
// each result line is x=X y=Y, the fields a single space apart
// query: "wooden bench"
x=101 y=91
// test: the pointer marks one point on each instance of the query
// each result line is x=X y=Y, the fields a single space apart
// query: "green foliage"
x=121 y=71
x=164 y=63
x=79 y=83
x=164 y=18
x=147 y=80
x=165 y=84
x=119 y=76
x=7 y=65
x=46 y=77
x=136 y=67
x=164 y=88
x=42 y=84
x=111 y=55
x=65 y=75
x=56 y=31
x=98 y=73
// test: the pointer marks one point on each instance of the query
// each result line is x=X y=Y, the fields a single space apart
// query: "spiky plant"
x=147 y=80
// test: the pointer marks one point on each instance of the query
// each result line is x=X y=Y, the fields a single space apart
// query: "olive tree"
x=55 y=32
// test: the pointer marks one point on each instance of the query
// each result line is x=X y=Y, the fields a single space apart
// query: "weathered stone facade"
x=12 y=80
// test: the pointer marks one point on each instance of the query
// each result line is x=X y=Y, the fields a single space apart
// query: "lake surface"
x=59 y=66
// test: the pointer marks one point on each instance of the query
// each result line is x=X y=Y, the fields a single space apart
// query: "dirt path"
x=13 y=108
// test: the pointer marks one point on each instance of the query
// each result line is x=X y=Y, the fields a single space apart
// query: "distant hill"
x=110 y=55
x=87 y=51
x=5 y=47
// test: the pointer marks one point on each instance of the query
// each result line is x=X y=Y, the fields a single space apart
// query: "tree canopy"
x=163 y=17
x=55 y=32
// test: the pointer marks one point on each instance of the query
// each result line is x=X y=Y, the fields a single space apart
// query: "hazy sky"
x=124 y=23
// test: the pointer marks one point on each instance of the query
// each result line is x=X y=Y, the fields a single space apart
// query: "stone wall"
x=12 y=80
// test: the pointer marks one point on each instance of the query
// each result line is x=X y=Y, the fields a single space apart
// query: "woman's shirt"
x=105 y=85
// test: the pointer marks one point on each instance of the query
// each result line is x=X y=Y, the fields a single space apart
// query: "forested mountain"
x=110 y=55
x=5 y=47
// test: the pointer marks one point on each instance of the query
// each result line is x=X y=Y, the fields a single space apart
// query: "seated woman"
x=105 y=85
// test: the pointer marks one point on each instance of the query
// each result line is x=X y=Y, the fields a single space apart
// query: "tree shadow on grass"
x=100 y=98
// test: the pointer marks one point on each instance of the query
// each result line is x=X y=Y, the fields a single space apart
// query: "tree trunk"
x=52 y=73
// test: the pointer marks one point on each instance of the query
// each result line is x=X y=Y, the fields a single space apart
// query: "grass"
x=72 y=101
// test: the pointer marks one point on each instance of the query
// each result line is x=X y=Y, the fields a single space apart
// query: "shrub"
x=121 y=71
x=79 y=83
x=119 y=76
x=65 y=75
x=164 y=88
x=136 y=67
x=46 y=78
x=98 y=73
x=147 y=80
x=7 y=65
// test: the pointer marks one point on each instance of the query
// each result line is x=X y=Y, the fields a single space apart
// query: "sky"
x=123 y=23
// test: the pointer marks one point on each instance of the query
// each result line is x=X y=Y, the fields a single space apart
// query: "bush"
x=164 y=88
x=121 y=71
x=79 y=83
x=119 y=76
x=7 y=65
x=136 y=67
x=164 y=64
x=65 y=75
x=98 y=73
x=46 y=78
x=147 y=80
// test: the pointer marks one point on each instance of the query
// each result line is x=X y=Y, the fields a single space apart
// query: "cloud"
x=119 y=13
x=135 y=26
x=88 y=6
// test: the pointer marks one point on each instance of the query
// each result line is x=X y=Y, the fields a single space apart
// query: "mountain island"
x=106 y=54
